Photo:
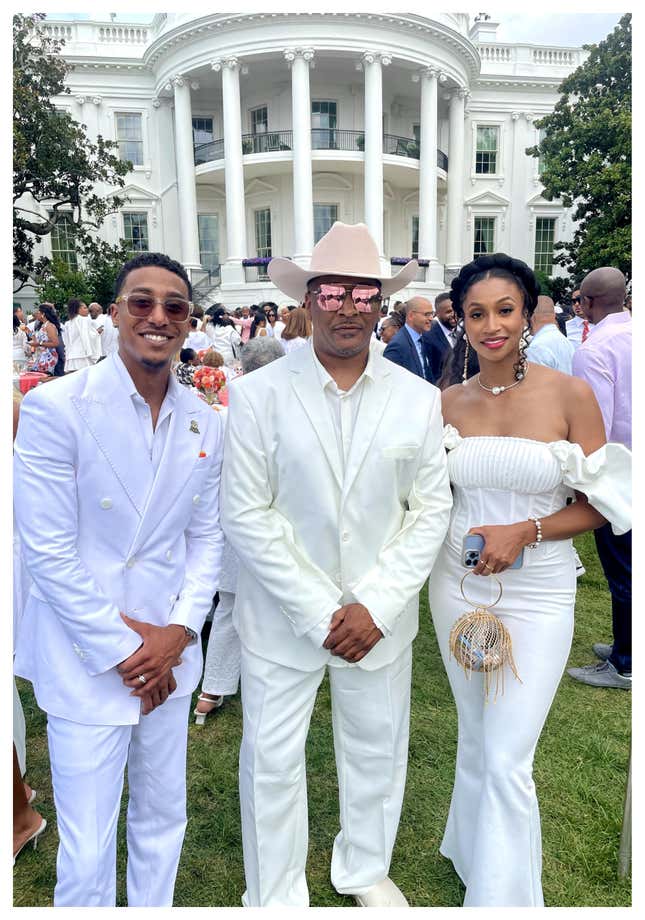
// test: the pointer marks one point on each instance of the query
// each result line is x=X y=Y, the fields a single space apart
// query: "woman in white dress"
x=297 y=331
x=522 y=439
x=222 y=334
x=82 y=341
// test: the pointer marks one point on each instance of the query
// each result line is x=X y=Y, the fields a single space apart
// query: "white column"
x=232 y=270
x=372 y=65
x=428 y=175
x=303 y=203
x=456 y=181
x=186 y=192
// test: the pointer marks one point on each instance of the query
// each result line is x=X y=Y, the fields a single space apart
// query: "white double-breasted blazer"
x=311 y=536
x=101 y=533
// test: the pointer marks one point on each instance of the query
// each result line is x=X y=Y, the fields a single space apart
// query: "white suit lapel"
x=100 y=405
x=376 y=395
x=188 y=424
x=307 y=387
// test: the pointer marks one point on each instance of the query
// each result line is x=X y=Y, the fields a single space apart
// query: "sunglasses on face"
x=575 y=300
x=331 y=297
x=139 y=306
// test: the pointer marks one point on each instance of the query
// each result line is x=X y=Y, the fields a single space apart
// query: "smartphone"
x=472 y=547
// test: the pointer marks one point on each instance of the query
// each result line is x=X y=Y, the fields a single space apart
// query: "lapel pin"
x=194 y=427
x=201 y=454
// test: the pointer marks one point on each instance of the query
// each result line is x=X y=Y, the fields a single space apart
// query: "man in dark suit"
x=406 y=348
x=440 y=337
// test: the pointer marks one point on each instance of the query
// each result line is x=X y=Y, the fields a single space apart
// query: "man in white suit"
x=308 y=437
x=116 y=492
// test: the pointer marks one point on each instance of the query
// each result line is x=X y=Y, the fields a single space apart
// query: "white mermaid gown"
x=493 y=831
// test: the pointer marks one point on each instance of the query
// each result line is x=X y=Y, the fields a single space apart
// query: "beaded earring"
x=521 y=367
x=464 y=379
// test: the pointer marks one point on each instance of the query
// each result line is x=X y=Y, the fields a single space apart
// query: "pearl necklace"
x=497 y=390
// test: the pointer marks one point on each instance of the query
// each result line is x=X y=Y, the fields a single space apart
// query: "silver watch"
x=191 y=635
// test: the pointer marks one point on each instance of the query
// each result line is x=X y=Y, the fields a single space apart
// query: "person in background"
x=21 y=350
x=259 y=326
x=28 y=824
x=548 y=346
x=243 y=324
x=441 y=335
x=276 y=326
x=188 y=362
x=222 y=334
x=196 y=338
x=604 y=361
x=578 y=326
x=45 y=340
x=460 y=363
x=391 y=325
x=222 y=663
x=82 y=341
x=406 y=348
x=297 y=331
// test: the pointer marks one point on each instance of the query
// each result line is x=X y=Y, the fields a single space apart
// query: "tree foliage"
x=586 y=155
x=56 y=166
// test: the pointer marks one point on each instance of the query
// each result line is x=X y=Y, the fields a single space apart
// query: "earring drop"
x=464 y=379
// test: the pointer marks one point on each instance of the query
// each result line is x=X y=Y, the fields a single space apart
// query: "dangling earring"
x=521 y=366
x=464 y=379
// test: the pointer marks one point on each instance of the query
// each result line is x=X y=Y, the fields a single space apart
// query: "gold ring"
x=142 y=678
x=489 y=567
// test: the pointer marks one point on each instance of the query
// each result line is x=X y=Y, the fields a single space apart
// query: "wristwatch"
x=191 y=635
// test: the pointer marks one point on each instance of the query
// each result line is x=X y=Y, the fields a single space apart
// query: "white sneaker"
x=383 y=894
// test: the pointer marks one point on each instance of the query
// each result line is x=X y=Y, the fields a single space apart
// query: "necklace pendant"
x=497 y=390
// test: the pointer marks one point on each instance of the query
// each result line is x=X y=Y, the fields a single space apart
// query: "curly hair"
x=154 y=259
x=495 y=265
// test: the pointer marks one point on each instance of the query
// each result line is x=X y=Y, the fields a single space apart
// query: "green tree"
x=56 y=166
x=61 y=285
x=586 y=155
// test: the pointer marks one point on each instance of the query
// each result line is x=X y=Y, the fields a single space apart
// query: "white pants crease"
x=88 y=764
x=370 y=713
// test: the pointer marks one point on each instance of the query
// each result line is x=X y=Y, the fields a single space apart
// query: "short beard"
x=155 y=365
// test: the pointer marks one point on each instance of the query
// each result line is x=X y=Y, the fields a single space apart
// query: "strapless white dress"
x=493 y=831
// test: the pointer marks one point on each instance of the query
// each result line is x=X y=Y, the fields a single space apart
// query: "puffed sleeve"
x=605 y=477
x=451 y=437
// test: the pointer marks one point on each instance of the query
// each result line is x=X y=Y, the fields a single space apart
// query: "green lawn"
x=580 y=772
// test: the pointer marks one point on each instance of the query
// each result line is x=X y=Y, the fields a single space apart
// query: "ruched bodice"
x=501 y=480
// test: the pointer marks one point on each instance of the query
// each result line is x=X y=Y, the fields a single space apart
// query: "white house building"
x=251 y=133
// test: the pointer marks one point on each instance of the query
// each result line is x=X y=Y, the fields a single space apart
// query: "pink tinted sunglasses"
x=331 y=297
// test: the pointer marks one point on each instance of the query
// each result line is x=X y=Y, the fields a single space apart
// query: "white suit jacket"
x=100 y=534
x=310 y=539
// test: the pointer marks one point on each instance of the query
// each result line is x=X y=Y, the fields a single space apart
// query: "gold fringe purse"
x=479 y=641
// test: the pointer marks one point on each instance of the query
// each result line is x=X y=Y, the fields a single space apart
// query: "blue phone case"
x=472 y=547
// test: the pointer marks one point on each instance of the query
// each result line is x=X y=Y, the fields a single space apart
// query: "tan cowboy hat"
x=346 y=249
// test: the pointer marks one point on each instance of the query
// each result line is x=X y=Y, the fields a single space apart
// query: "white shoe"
x=383 y=894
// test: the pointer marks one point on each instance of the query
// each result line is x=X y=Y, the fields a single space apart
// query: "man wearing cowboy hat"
x=308 y=436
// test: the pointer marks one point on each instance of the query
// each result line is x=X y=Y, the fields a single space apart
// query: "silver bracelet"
x=538 y=527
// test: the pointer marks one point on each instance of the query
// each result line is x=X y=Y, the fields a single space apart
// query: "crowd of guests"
x=523 y=443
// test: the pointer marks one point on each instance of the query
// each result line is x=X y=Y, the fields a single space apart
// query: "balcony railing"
x=270 y=142
x=321 y=139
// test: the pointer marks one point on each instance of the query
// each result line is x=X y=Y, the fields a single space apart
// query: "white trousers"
x=88 y=763
x=371 y=715
x=222 y=664
x=493 y=831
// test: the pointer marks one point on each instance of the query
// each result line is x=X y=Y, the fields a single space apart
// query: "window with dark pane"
x=135 y=231
x=263 y=237
x=62 y=240
x=208 y=228
x=323 y=124
x=544 y=238
x=484 y=236
x=129 y=137
x=487 y=149
x=324 y=217
x=415 y=237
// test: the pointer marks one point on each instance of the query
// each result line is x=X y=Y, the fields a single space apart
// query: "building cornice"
x=411 y=24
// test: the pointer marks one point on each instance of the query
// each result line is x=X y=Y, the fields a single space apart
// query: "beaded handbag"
x=480 y=642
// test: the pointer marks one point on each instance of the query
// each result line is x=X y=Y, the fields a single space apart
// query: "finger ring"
x=489 y=567
x=142 y=678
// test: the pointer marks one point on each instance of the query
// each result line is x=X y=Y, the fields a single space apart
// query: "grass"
x=580 y=773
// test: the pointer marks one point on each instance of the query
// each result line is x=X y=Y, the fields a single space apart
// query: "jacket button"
x=195 y=499
x=345 y=536
x=168 y=555
x=106 y=503
x=130 y=562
